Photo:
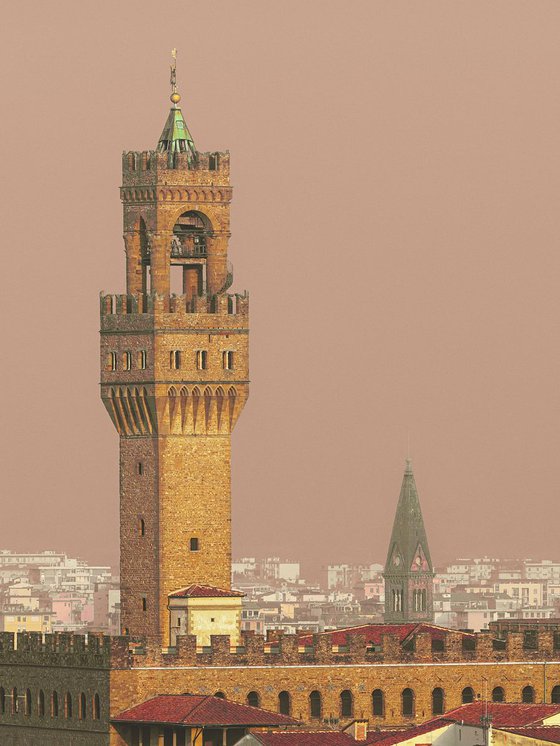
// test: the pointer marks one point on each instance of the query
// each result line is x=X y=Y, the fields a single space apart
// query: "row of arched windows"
x=196 y=391
x=407 y=704
x=14 y=702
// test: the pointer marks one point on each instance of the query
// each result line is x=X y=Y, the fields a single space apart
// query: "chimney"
x=358 y=729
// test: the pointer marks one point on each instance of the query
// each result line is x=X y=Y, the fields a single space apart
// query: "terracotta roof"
x=305 y=738
x=205 y=591
x=374 y=632
x=503 y=714
x=202 y=711
x=549 y=733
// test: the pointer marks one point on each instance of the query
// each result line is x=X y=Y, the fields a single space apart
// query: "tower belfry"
x=174 y=379
x=408 y=570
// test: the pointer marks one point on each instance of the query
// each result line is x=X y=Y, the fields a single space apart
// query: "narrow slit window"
x=202 y=359
x=194 y=544
x=144 y=603
x=141 y=527
x=228 y=360
x=140 y=467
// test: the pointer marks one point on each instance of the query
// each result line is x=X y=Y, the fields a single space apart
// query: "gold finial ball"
x=175 y=98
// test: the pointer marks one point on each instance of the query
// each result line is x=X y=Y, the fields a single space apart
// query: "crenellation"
x=151 y=304
x=146 y=168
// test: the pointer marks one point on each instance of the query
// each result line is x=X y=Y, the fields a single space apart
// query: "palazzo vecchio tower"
x=174 y=377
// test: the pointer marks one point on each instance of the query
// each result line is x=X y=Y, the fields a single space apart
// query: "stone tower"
x=408 y=571
x=174 y=376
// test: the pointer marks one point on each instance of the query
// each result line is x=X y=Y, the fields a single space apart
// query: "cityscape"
x=375 y=145
x=51 y=592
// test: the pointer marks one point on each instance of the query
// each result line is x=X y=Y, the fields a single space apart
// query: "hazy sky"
x=396 y=171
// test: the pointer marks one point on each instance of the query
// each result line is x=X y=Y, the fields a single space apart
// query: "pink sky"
x=396 y=171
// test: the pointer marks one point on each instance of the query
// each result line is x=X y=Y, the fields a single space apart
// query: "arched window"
x=201 y=359
x=498 y=694
x=83 y=707
x=68 y=706
x=175 y=359
x=284 y=704
x=407 y=698
x=213 y=161
x=253 y=699
x=467 y=695
x=227 y=360
x=437 y=701
x=346 y=704
x=28 y=703
x=127 y=360
x=555 y=695
x=96 y=707
x=378 y=703
x=142 y=359
x=528 y=694
x=15 y=701
x=315 y=705
x=54 y=705
x=2 y=701
x=220 y=695
x=41 y=703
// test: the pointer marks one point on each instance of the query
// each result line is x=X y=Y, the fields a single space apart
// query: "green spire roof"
x=176 y=137
x=408 y=548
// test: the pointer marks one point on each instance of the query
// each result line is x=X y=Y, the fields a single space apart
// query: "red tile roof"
x=503 y=714
x=549 y=733
x=202 y=711
x=205 y=591
x=305 y=738
x=374 y=632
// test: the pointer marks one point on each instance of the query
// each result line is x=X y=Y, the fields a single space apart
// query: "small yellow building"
x=204 y=610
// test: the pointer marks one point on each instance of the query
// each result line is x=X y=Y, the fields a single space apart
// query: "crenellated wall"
x=127 y=672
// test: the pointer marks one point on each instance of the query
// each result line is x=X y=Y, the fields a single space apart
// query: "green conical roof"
x=408 y=548
x=176 y=137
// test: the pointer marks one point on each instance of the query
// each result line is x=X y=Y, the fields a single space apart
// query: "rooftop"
x=205 y=591
x=374 y=633
x=201 y=711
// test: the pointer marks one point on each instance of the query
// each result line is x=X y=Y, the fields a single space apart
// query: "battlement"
x=101 y=651
x=288 y=650
x=225 y=304
x=152 y=167
x=60 y=649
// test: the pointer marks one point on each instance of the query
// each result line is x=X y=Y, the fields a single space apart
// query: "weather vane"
x=175 y=97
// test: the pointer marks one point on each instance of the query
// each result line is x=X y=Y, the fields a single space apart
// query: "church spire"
x=176 y=137
x=408 y=571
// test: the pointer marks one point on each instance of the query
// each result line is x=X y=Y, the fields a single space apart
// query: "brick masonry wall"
x=64 y=665
x=128 y=686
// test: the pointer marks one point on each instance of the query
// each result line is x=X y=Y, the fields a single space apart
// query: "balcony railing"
x=188 y=250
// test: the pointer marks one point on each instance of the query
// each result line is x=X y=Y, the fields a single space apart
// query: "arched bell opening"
x=138 y=258
x=190 y=242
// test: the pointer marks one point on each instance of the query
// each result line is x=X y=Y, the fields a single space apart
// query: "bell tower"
x=174 y=375
x=409 y=573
